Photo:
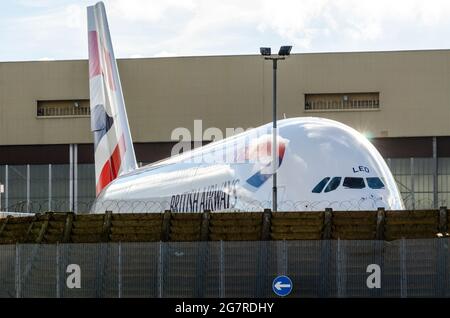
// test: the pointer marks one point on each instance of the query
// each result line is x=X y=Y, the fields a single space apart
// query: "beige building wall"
x=232 y=91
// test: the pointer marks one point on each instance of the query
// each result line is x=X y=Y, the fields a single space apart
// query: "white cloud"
x=292 y=19
x=74 y=16
x=36 y=3
x=201 y=27
x=164 y=54
x=147 y=10
x=58 y=31
x=46 y=58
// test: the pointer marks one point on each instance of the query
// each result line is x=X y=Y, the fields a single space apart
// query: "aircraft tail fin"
x=114 y=151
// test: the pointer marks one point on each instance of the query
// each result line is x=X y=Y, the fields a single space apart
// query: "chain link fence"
x=424 y=183
x=136 y=206
x=407 y=268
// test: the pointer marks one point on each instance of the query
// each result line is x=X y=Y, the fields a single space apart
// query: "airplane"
x=321 y=163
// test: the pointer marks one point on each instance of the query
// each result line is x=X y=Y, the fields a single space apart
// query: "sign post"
x=2 y=189
x=282 y=285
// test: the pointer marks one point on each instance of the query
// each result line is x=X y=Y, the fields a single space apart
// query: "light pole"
x=2 y=189
x=282 y=53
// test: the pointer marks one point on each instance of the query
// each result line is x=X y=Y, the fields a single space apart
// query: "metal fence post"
x=6 y=188
x=262 y=268
x=201 y=267
x=50 y=187
x=442 y=267
x=222 y=271
x=17 y=272
x=443 y=220
x=75 y=177
x=58 y=292
x=413 y=191
x=281 y=257
x=325 y=254
x=71 y=178
x=120 y=269
x=341 y=275
x=160 y=269
x=379 y=246
x=28 y=188
x=435 y=174
x=403 y=273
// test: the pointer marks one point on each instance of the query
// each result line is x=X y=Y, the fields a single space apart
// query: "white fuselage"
x=235 y=174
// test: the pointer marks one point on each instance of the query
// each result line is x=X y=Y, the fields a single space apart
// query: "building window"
x=343 y=101
x=63 y=108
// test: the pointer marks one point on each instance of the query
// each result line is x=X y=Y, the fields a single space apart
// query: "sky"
x=56 y=29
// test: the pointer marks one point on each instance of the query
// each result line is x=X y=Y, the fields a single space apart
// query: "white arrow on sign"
x=280 y=285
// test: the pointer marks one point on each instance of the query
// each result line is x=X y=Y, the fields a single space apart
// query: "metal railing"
x=342 y=105
x=403 y=268
x=63 y=111
x=40 y=206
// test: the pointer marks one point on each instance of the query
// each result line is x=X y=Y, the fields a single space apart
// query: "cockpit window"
x=375 y=183
x=319 y=187
x=334 y=183
x=354 y=183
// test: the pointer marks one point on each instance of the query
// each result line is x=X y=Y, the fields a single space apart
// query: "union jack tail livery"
x=114 y=152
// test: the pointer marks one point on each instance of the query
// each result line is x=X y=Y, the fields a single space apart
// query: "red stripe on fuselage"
x=111 y=167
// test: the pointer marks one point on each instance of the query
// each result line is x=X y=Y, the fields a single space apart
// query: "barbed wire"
x=133 y=206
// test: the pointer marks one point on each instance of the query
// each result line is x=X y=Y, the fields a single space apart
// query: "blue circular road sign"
x=282 y=285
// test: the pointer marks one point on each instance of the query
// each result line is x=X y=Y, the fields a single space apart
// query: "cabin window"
x=354 y=183
x=319 y=187
x=375 y=183
x=334 y=183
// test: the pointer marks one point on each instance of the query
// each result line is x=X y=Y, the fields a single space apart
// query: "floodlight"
x=285 y=50
x=265 y=51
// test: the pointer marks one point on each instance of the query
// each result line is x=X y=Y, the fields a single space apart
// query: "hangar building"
x=400 y=100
